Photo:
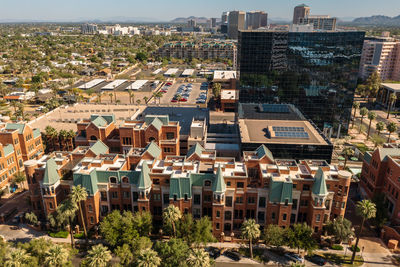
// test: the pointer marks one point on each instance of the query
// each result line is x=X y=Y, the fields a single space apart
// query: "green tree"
x=380 y=126
x=141 y=56
x=79 y=194
x=143 y=222
x=198 y=258
x=37 y=248
x=56 y=256
x=391 y=127
x=124 y=254
x=363 y=113
x=274 y=235
x=356 y=105
x=98 y=256
x=373 y=84
x=216 y=89
x=371 y=116
x=377 y=140
x=171 y=215
x=148 y=258
x=202 y=233
x=32 y=218
x=347 y=152
x=250 y=231
x=300 y=237
x=172 y=253
x=67 y=209
x=145 y=99
x=19 y=178
x=381 y=217
x=366 y=209
x=17 y=257
x=392 y=100
x=341 y=228
x=111 y=97
x=130 y=93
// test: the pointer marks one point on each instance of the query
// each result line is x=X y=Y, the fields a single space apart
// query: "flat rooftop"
x=392 y=86
x=258 y=131
x=269 y=112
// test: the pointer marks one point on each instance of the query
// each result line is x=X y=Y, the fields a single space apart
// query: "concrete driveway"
x=375 y=252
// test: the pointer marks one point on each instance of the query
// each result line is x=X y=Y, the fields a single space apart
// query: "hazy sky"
x=168 y=9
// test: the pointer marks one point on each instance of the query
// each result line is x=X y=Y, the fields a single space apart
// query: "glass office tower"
x=316 y=71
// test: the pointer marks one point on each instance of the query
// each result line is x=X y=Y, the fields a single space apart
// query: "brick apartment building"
x=269 y=190
x=18 y=143
x=381 y=174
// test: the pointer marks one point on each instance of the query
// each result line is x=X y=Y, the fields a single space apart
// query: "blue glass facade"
x=315 y=71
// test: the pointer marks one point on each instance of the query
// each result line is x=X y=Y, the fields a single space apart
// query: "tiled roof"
x=195 y=149
x=99 y=148
x=319 y=186
x=51 y=175
x=8 y=149
x=16 y=126
x=153 y=149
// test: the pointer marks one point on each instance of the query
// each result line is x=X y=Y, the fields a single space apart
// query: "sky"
x=165 y=10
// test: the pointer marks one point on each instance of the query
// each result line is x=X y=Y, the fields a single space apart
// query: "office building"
x=89 y=28
x=319 y=22
x=300 y=11
x=213 y=22
x=269 y=190
x=315 y=71
x=256 y=19
x=192 y=23
x=224 y=17
x=382 y=55
x=236 y=21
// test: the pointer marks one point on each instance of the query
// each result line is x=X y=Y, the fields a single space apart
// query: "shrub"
x=337 y=247
x=352 y=248
x=60 y=234
x=79 y=236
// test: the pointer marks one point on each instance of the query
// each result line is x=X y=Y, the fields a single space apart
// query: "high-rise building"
x=224 y=17
x=192 y=23
x=315 y=71
x=319 y=22
x=236 y=21
x=89 y=28
x=300 y=11
x=256 y=19
x=381 y=54
x=213 y=22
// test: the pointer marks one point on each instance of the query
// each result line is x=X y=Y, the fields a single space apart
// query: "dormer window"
x=207 y=183
x=113 y=180
x=175 y=197
x=125 y=180
x=186 y=197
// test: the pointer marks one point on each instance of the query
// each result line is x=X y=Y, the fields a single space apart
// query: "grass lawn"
x=344 y=260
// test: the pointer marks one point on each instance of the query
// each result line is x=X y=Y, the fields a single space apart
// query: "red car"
x=183 y=100
x=174 y=100
x=163 y=91
x=168 y=84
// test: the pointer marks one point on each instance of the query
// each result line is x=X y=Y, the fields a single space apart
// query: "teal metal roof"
x=144 y=178
x=99 y=122
x=195 y=149
x=163 y=118
x=199 y=178
x=108 y=118
x=180 y=186
x=8 y=149
x=99 y=148
x=153 y=149
x=50 y=174
x=280 y=191
x=157 y=123
x=319 y=186
x=16 y=126
x=87 y=181
x=264 y=151
x=367 y=157
x=36 y=133
x=219 y=185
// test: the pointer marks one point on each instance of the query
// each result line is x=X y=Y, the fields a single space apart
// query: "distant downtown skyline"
x=162 y=10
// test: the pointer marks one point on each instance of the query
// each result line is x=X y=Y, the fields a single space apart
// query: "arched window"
x=94 y=138
x=207 y=183
x=151 y=139
x=113 y=180
x=125 y=179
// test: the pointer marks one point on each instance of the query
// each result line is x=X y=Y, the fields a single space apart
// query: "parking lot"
x=190 y=96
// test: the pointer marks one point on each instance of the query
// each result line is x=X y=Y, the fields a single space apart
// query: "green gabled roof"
x=16 y=126
x=219 y=185
x=198 y=178
x=163 y=118
x=367 y=157
x=262 y=151
x=36 y=133
x=153 y=149
x=319 y=186
x=280 y=191
x=180 y=186
x=87 y=181
x=104 y=176
x=99 y=148
x=132 y=175
x=156 y=123
x=8 y=149
x=195 y=149
x=144 y=178
x=99 y=122
x=108 y=118
x=50 y=173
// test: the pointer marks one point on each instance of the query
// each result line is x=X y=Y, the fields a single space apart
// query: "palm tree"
x=71 y=135
x=99 y=97
x=98 y=256
x=148 y=258
x=115 y=94
x=56 y=256
x=62 y=138
x=111 y=97
x=380 y=126
x=19 y=178
x=251 y=231
x=198 y=258
x=171 y=215
x=363 y=112
x=392 y=100
x=17 y=257
x=391 y=127
x=78 y=195
x=371 y=116
x=138 y=101
x=159 y=95
x=68 y=209
x=178 y=98
x=347 y=152
x=130 y=93
x=367 y=210
x=145 y=99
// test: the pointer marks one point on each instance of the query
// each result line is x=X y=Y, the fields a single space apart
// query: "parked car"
x=200 y=101
x=213 y=252
x=168 y=84
x=183 y=99
x=40 y=108
x=174 y=100
x=233 y=255
x=294 y=257
x=321 y=261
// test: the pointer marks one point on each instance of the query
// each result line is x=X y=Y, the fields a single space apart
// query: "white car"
x=294 y=257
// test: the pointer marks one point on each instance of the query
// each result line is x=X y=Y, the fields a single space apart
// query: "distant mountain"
x=278 y=20
x=378 y=20
x=185 y=20
x=84 y=20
